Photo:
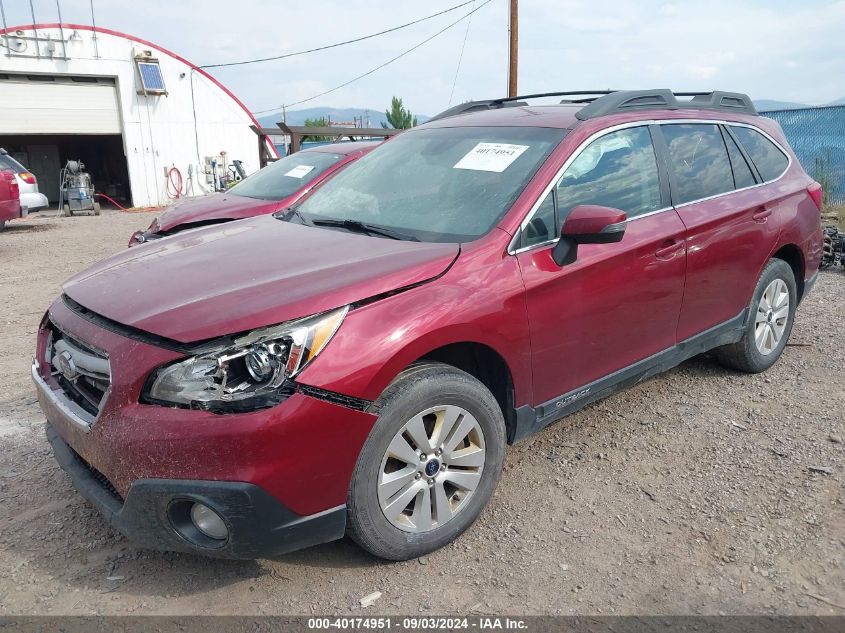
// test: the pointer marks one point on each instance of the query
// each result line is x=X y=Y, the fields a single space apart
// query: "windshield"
x=437 y=185
x=286 y=176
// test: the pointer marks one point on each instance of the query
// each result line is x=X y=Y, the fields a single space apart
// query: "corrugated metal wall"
x=818 y=137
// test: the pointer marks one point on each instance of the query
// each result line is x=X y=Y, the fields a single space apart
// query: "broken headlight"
x=248 y=372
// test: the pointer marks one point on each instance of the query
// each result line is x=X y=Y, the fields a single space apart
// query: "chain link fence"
x=818 y=137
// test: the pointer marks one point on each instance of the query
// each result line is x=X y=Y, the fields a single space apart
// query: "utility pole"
x=513 y=48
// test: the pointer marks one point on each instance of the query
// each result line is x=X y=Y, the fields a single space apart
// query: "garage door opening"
x=46 y=155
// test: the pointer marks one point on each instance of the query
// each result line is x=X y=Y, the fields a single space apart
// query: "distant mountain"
x=772 y=104
x=376 y=118
x=337 y=115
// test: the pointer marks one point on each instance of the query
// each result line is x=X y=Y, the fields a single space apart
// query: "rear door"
x=617 y=304
x=730 y=223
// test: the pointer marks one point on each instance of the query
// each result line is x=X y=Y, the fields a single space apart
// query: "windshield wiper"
x=357 y=226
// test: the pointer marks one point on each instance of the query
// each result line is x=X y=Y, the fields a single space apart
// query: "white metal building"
x=132 y=111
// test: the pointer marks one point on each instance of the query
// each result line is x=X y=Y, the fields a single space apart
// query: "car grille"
x=82 y=371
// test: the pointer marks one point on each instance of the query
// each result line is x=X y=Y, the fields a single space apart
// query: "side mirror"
x=588 y=224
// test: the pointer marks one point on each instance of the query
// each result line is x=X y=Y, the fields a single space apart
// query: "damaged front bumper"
x=278 y=477
x=156 y=512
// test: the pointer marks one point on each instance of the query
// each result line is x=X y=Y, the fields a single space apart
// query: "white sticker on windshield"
x=491 y=157
x=299 y=171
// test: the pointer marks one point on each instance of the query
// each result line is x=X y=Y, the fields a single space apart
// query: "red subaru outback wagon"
x=357 y=364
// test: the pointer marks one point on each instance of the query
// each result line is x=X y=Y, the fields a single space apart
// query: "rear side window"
x=742 y=172
x=699 y=161
x=616 y=170
x=769 y=160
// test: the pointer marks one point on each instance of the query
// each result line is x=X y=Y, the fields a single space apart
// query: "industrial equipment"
x=76 y=191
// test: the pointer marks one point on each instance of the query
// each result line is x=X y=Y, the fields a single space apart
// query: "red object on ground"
x=112 y=200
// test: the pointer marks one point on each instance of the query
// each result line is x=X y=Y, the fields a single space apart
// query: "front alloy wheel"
x=431 y=468
x=429 y=465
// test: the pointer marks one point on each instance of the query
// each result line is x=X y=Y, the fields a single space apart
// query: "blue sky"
x=793 y=51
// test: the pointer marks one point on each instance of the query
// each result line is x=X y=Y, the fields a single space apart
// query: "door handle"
x=668 y=249
x=760 y=215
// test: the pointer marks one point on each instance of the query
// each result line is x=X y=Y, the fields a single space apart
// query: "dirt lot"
x=692 y=493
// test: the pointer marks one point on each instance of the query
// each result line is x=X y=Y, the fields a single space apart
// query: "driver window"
x=616 y=170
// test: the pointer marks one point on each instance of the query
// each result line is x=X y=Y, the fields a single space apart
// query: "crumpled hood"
x=252 y=273
x=217 y=206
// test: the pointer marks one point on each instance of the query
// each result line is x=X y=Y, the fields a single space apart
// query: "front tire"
x=769 y=323
x=429 y=465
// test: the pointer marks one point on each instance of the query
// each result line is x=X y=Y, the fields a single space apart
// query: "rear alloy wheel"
x=429 y=465
x=772 y=317
x=767 y=329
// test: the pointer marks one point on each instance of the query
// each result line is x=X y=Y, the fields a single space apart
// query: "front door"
x=617 y=304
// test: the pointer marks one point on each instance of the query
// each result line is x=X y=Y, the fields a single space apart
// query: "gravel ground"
x=692 y=493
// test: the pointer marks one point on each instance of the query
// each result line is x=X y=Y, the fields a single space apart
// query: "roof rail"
x=603 y=102
x=664 y=99
x=510 y=102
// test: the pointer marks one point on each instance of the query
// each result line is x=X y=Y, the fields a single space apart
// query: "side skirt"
x=530 y=419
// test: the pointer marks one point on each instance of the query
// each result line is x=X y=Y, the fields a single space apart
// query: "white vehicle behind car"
x=31 y=198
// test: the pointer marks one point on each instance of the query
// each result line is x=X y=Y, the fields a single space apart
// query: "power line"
x=460 y=59
x=323 y=48
x=387 y=63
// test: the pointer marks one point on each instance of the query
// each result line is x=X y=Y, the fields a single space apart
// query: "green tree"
x=317 y=122
x=398 y=117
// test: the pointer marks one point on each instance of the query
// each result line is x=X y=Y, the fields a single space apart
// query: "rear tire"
x=404 y=502
x=2 y=224
x=771 y=314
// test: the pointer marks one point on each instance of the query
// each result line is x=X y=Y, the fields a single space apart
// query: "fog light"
x=208 y=522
